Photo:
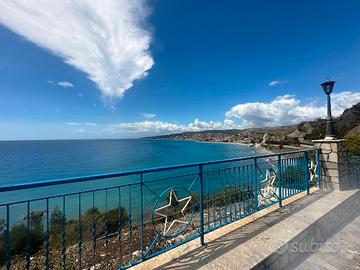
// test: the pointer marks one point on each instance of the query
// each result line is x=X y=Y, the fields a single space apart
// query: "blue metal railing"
x=120 y=219
x=353 y=170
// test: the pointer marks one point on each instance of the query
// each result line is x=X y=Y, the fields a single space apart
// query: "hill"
x=291 y=136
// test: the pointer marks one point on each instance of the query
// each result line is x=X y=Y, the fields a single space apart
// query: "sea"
x=34 y=161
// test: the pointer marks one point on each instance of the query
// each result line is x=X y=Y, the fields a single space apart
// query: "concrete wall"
x=314 y=235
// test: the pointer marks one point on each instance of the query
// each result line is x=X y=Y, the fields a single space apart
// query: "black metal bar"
x=330 y=131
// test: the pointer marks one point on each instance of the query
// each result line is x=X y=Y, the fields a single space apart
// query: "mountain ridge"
x=348 y=123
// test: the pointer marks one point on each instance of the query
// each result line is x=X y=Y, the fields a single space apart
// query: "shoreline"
x=268 y=149
x=257 y=148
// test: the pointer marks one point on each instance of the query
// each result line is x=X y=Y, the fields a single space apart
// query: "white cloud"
x=287 y=110
x=159 y=127
x=283 y=110
x=91 y=124
x=275 y=82
x=228 y=122
x=343 y=100
x=145 y=127
x=198 y=125
x=65 y=84
x=104 y=39
x=81 y=124
x=148 y=115
x=81 y=131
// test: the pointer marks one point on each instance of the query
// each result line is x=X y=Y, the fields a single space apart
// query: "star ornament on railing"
x=173 y=212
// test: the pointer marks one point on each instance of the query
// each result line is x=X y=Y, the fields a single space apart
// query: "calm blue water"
x=29 y=161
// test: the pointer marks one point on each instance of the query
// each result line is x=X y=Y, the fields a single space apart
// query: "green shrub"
x=353 y=144
x=114 y=218
x=228 y=195
x=57 y=221
x=292 y=175
x=18 y=239
x=196 y=201
x=19 y=235
x=312 y=155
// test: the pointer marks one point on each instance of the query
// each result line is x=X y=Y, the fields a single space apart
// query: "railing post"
x=142 y=217
x=28 y=236
x=318 y=166
x=256 y=185
x=63 y=234
x=201 y=202
x=306 y=168
x=279 y=175
x=81 y=231
x=8 y=245
x=47 y=238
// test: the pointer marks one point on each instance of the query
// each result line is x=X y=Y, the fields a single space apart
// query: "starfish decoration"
x=176 y=207
x=268 y=189
x=312 y=171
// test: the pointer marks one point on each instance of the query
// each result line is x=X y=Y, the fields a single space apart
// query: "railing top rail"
x=81 y=179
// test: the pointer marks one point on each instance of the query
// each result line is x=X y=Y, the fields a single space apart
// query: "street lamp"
x=330 y=131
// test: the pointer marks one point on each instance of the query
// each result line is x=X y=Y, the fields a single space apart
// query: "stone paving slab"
x=341 y=251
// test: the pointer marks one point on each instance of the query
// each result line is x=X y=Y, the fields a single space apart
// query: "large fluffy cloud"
x=343 y=100
x=106 y=39
x=286 y=110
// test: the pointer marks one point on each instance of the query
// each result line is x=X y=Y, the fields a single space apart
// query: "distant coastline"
x=276 y=139
x=257 y=147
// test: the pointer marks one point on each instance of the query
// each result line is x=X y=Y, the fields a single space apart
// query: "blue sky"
x=134 y=68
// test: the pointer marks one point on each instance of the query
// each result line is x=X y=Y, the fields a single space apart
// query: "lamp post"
x=330 y=131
